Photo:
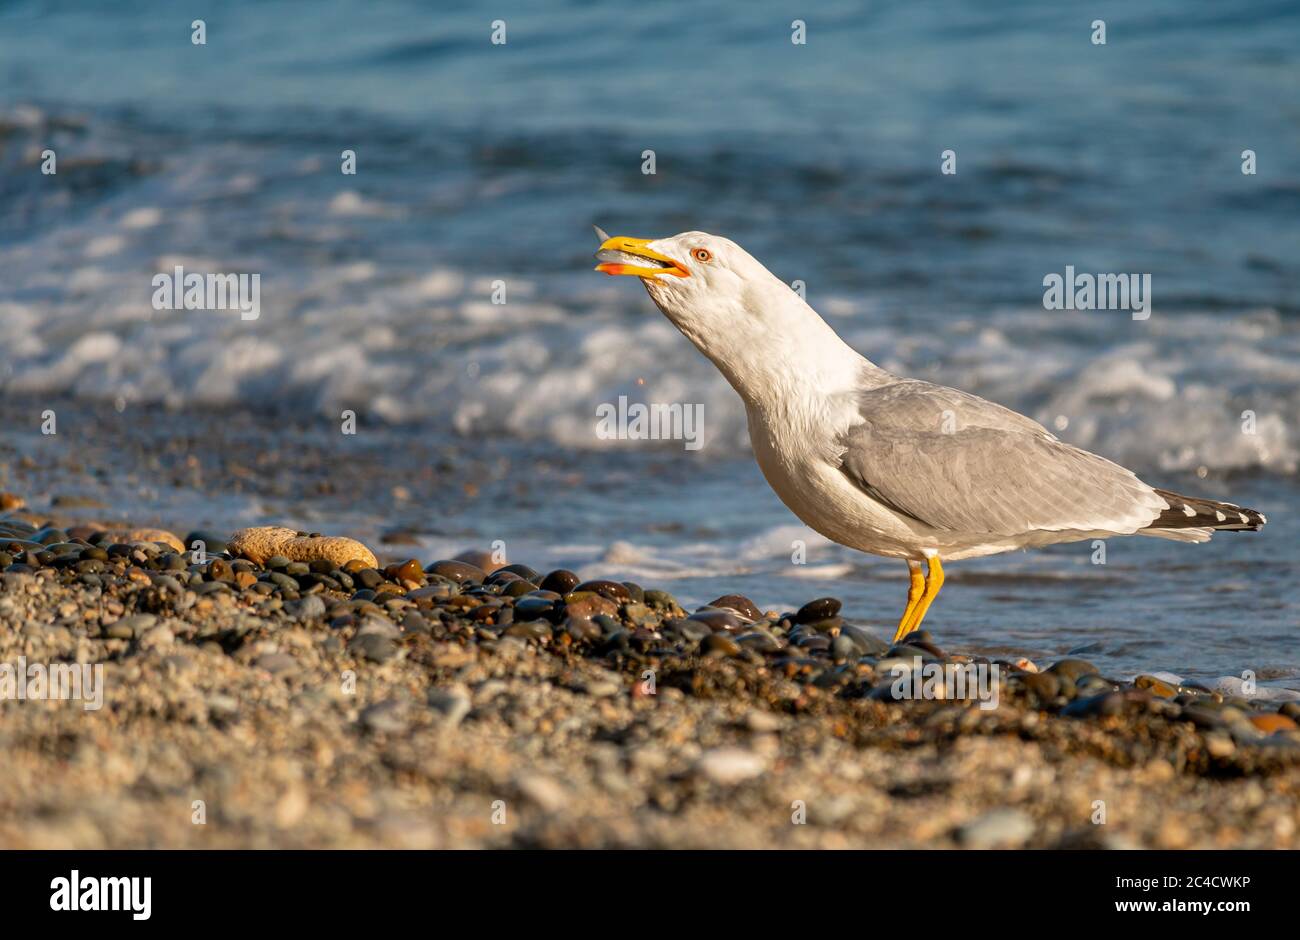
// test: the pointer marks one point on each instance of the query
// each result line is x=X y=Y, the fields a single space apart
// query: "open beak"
x=634 y=256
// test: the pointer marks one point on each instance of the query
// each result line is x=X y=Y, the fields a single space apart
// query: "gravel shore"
x=323 y=702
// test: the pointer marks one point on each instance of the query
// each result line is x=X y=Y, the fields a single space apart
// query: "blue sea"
x=481 y=167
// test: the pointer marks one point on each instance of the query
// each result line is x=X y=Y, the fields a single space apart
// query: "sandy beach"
x=426 y=702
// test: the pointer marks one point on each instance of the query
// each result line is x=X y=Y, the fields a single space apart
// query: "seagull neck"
x=770 y=369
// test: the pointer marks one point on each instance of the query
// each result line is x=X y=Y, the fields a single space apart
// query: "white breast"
x=793 y=448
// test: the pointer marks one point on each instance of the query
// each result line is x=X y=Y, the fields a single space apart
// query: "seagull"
x=885 y=464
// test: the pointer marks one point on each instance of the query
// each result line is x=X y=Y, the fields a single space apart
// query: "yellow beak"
x=638 y=248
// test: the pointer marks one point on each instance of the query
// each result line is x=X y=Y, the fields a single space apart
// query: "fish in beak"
x=624 y=255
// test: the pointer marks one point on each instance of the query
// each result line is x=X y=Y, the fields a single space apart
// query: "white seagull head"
x=735 y=311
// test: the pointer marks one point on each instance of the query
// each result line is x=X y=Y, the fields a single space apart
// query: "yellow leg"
x=914 y=592
x=916 y=612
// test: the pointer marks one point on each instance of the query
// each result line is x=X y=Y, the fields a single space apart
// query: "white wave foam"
x=371 y=326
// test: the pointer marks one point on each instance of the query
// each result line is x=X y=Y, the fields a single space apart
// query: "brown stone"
x=1271 y=723
x=1155 y=686
x=587 y=604
x=147 y=535
x=260 y=543
x=409 y=574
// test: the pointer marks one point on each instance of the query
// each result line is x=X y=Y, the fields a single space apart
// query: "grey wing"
x=957 y=463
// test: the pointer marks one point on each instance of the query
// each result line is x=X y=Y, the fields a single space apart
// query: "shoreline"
x=319 y=703
x=700 y=527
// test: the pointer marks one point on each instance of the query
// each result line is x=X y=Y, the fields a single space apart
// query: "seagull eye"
x=702 y=254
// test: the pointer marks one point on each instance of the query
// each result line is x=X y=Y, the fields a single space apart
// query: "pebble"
x=386 y=717
x=1203 y=717
x=760 y=641
x=738 y=603
x=276 y=663
x=459 y=572
x=561 y=581
x=842 y=647
x=610 y=589
x=717 y=619
x=261 y=542
x=1219 y=745
x=588 y=604
x=1044 y=686
x=763 y=722
x=222 y=707
x=521 y=571
x=867 y=644
x=600 y=684
x=157 y=638
x=408 y=574
x=451 y=702
x=1074 y=669
x=693 y=630
x=999 y=829
x=310 y=607
x=133 y=625
x=830 y=626
x=818 y=609
x=375 y=625
x=1155 y=686
x=1096 y=706
x=1270 y=724
x=719 y=644
x=146 y=535
x=1093 y=685
x=213 y=543
x=542 y=792
x=661 y=600
x=484 y=561
x=730 y=765
x=375 y=648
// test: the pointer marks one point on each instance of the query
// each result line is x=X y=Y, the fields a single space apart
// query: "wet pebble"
x=458 y=571
x=588 y=604
x=610 y=589
x=661 y=600
x=717 y=619
x=1074 y=669
x=867 y=644
x=818 y=609
x=738 y=603
x=561 y=581
x=1155 y=686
